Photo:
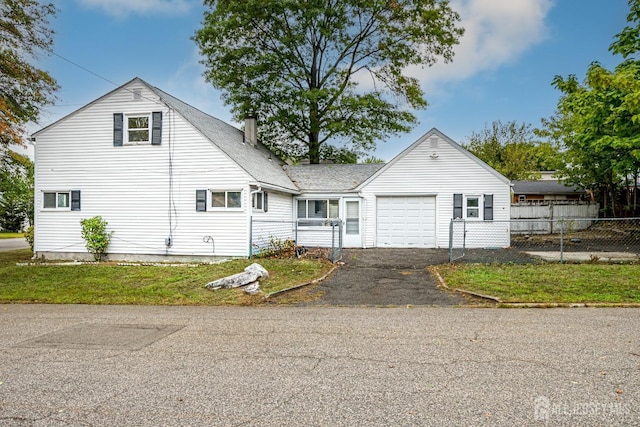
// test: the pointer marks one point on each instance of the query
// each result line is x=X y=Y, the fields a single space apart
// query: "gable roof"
x=544 y=187
x=446 y=139
x=259 y=162
x=331 y=177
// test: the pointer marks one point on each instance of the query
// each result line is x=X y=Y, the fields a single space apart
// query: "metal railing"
x=310 y=237
x=546 y=240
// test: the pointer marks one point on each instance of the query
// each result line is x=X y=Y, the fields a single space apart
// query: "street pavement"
x=13 y=244
x=75 y=365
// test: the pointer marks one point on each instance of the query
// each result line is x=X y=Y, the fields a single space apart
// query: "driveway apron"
x=387 y=277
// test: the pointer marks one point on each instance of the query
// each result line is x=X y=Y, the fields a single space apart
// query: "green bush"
x=28 y=236
x=94 y=232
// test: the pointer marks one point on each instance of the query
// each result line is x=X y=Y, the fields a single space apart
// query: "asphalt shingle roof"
x=544 y=187
x=258 y=162
x=331 y=177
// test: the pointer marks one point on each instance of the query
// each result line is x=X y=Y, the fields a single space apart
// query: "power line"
x=83 y=68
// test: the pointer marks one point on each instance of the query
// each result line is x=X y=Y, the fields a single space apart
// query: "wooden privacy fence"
x=543 y=216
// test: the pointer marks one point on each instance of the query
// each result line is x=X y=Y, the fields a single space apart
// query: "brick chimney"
x=251 y=129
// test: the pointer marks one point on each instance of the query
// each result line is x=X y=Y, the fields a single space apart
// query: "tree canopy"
x=598 y=124
x=321 y=72
x=512 y=149
x=16 y=198
x=24 y=89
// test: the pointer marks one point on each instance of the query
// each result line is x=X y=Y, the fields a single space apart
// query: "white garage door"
x=405 y=222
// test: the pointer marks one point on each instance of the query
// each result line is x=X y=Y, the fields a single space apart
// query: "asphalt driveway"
x=387 y=277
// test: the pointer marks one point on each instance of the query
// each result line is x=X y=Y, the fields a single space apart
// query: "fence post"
x=250 y=236
x=561 y=240
x=333 y=241
x=451 y=241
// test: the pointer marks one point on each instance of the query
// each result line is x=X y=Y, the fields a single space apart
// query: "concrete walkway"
x=74 y=365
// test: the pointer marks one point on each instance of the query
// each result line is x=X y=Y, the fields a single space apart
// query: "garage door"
x=406 y=222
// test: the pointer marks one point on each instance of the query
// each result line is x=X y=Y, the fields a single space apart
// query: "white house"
x=172 y=181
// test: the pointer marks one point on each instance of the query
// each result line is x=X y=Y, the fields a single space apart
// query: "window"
x=473 y=207
x=259 y=201
x=137 y=129
x=226 y=199
x=64 y=200
x=318 y=210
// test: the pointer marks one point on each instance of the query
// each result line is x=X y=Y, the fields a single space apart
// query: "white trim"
x=225 y=208
x=126 y=129
x=57 y=208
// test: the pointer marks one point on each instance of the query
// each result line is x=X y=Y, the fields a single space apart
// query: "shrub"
x=94 y=232
x=28 y=236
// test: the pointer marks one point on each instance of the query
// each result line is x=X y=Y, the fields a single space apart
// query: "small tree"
x=94 y=232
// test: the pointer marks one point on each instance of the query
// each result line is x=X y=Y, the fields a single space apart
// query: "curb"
x=301 y=285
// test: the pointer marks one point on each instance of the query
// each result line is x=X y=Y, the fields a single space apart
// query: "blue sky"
x=503 y=67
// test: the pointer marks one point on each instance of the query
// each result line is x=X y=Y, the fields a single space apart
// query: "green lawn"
x=8 y=235
x=548 y=283
x=147 y=285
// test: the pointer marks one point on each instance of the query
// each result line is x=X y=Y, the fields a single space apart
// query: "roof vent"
x=137 y=94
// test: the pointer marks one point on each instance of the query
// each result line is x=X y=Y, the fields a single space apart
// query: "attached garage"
x=406 y=221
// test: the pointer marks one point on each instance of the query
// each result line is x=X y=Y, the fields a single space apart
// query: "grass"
x=8 y=235
x=549 y=283
x=143 y=285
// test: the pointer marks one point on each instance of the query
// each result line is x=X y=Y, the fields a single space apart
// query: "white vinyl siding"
x=133 y=189
x=435 y=169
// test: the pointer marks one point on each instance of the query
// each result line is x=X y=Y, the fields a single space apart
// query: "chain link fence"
x=546 y=240
x=319 y=238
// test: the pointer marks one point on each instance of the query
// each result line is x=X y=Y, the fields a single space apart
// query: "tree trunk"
x=314 y=134
x=314 y=148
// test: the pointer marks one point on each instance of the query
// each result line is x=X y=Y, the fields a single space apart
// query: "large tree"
x=511 y=148
x=321 y=72
x=598 y=124
x=24 y=88
x=16 y=196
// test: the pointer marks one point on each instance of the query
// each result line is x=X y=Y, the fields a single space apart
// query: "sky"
x=502 y=69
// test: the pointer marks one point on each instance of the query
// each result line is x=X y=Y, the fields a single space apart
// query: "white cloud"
x=497 y=32
x=123 y=8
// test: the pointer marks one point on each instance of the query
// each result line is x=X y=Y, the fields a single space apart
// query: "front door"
x=352 y=233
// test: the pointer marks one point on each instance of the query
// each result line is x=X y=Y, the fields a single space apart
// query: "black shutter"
x=488 y=207
x=156 y=129
x=264 y=201
x=117 y=129
x=201 y=200
x=457 y=206
x=75 y=200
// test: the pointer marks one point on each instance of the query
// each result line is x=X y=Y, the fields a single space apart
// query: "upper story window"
x=138 y=131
